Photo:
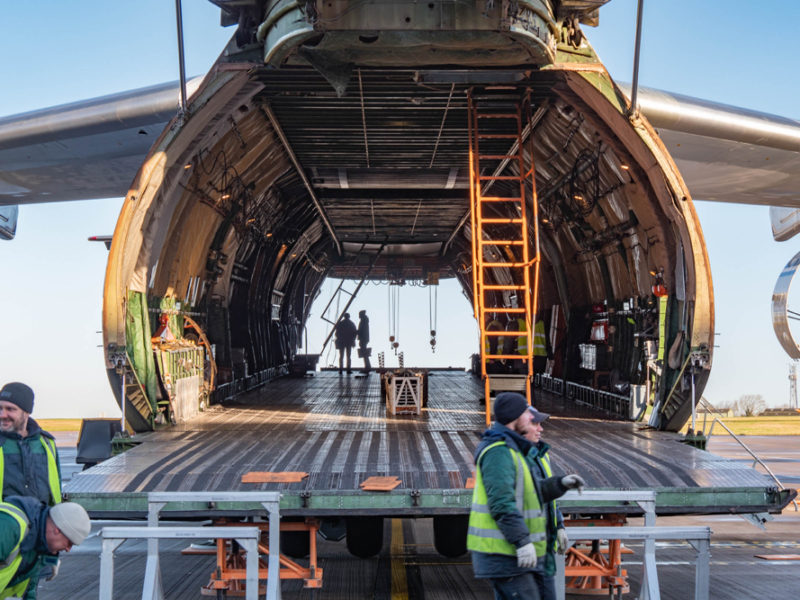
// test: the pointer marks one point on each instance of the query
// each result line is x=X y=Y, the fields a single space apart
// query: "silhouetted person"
x=345 y=340
x=363 y=339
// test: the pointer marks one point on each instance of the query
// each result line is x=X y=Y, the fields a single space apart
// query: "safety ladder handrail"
x=113 y=537
x=756 y=458
x=517 y=233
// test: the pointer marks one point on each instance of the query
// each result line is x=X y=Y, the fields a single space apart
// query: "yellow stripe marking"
x=399 y=580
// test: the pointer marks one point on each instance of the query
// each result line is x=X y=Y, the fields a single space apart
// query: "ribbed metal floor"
x=336 y=428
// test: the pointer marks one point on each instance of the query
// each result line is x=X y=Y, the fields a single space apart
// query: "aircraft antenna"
x=634 y=111
x=181 y=58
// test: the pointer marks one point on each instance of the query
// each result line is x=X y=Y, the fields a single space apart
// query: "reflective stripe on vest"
x=493 y=326
x=483 y=534
x=53 y=476
x=545 y=462
x=9 y=566
x=522 y=341
x=539 y=340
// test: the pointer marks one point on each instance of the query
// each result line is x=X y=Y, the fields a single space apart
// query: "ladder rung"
x=498 y=199
x=486 y=309
x=501 y=242
x=493 y=220
x=499 y=287
x=499 y=177
x=509 y=356
x=498 y=136
x=496 y=333
x=505 y=264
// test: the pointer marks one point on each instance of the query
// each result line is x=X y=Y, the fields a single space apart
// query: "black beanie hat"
x=19 y=394
x=508 y=406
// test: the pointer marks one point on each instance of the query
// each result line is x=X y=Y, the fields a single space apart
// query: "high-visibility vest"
x=11 y=563
x=53 y=476
x=522 y=340
x=539 y=340
x=494 y=325
x=548 y=472
x=483 y=534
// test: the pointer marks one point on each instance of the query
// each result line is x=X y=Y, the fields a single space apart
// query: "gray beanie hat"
x=19 y=394
x=72 y=520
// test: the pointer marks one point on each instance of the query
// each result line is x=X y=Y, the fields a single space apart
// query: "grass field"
x=59 y=424
x=754 y=425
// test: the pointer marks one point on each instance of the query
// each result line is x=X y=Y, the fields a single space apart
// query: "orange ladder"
x=505 y=228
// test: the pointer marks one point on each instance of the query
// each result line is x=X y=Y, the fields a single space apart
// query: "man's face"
x=56 y=541
x=534 y=434
x=523 y=423
x=12 y=418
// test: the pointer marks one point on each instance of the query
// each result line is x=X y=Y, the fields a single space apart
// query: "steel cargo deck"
x=336 y=429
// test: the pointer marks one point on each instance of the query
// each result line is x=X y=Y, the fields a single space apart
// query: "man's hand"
x=54 y=572
x=563 y=540
x=573 y=482
x=526 y=556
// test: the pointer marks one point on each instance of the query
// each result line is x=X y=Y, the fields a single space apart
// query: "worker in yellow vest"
x=541 y=347
x=508 y=522
x=29 y=464
x=493 y=344
x=30 y=530
x=556 y=538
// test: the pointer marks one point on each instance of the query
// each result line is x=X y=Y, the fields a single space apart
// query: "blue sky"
x=51 y=292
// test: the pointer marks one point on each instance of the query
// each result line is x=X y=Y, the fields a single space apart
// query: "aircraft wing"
x=92 y=149
x=83 y=150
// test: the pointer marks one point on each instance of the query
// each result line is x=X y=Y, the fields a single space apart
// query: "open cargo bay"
x=336 y=428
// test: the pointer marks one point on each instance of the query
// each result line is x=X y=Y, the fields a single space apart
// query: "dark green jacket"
x=24 y=460
x=34 y=545
x=499 y=477
x=554 y=517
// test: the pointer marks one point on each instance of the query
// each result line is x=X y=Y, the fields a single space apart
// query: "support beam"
x=320 y=209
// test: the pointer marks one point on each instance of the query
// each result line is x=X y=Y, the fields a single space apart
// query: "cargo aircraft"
x=353 y=140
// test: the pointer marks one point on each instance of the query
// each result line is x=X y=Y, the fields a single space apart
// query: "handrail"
x=270 y=501
x=698 y=537
x=152 y=590
x=751 y=453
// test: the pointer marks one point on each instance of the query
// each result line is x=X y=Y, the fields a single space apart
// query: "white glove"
x=54 y=572
x=563 y=540
x=573 y=482
x=526 y=556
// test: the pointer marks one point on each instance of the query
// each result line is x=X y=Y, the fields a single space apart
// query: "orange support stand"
x=230 y=573
x=593 y=570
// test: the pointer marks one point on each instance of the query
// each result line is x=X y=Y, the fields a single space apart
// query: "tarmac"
x=409 y=567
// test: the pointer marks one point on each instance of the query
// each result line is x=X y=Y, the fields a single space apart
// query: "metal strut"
x=505 y=236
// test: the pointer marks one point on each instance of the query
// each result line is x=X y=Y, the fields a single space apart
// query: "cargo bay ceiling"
x=340 y=151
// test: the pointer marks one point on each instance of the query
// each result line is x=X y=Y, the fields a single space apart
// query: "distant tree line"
x=748 y=405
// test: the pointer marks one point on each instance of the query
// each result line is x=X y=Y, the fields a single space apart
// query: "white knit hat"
x=72 y=520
